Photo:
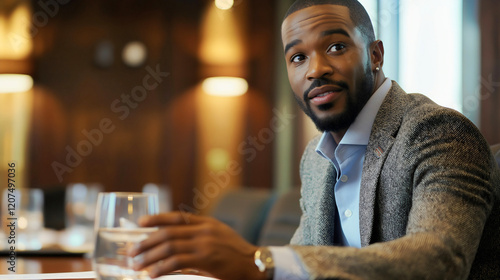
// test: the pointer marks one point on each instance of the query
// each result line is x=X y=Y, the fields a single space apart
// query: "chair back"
x=282 y=221
x=244 y=210
x=495 y=149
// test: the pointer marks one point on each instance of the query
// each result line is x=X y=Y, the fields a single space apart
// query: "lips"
x=324 y=94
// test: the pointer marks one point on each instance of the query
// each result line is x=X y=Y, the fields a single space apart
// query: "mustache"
x=324 y=81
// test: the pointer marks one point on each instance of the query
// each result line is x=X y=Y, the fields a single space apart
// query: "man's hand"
x=204 y=243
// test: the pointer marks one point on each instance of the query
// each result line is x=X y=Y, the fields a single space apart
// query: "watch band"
x=264 y=261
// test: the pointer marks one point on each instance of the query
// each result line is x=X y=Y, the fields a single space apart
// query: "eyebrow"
x=292 y=44
x=335 y=31
x=323 y=34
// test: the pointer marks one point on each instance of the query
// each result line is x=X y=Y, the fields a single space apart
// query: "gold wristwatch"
x=264 y=262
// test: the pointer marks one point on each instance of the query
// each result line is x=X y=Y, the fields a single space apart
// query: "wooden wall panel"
x=156 y=141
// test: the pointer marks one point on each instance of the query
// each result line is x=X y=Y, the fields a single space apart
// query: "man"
x=396 y=188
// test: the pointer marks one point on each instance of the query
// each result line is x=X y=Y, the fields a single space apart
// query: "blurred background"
x=192 y=96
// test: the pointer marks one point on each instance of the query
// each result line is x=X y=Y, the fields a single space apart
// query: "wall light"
x=224 y=4
x=222 y=38
x=13 y=83
x=134 y=54
x=225 y=86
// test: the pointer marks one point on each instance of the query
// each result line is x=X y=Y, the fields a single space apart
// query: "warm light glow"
x=15 y=117
x=217 y=159
x=224 y=4
x=225 y=86
x=222 y=41
x=15 y=37
x=134 y=54
x=23 y=222
x=130 y=208
x=220 y=125
x=12 y=83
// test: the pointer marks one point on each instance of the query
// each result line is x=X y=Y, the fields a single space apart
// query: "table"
x=52 y=264
x=46 y=264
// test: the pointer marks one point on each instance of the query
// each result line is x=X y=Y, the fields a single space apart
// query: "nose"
x=318 y=67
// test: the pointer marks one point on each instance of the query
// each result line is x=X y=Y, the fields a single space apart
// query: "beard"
x=354 y=103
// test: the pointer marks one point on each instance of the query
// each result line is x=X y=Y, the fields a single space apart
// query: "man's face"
x=328 y=65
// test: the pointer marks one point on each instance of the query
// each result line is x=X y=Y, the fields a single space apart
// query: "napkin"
x=52 y=276
x=88 y=275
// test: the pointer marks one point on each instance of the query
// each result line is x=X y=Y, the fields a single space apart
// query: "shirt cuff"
x=287 y=264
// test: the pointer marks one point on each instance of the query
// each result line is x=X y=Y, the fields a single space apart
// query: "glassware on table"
x=24 y=208
x=80 y=201
x=116 y=229
x=164 y=195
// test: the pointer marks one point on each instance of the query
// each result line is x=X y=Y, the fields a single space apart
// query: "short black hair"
x=357 y=12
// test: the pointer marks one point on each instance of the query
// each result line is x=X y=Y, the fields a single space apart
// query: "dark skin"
x=202 y=243
x=321 y=42
x=210 y=246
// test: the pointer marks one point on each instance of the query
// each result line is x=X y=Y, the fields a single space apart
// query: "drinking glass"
x=80 y=203
x=24 y=207
x=116 y=229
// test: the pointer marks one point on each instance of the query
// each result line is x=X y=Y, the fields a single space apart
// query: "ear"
x=377 y=54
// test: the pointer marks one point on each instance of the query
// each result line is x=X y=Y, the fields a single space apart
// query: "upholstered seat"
x=244 y=210
x=282 y=221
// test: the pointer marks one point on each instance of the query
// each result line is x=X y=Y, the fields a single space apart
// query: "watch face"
x=264 y=260
x=266 y=257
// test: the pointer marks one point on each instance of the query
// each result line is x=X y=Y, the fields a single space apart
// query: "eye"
x=335 y=48
x=297 y=58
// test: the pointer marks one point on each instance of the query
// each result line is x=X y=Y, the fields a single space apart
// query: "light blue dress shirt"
x=347 y=157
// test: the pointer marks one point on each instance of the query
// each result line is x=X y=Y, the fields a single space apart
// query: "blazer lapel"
x=385 y=127
x=325 y=222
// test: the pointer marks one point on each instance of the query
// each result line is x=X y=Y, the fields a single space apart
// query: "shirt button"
x=348 y=213
x=344 y=178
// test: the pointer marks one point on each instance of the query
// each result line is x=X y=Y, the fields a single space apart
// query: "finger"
x=172 y=218
x=162 y=252
x=177 y=262
x=163 y=235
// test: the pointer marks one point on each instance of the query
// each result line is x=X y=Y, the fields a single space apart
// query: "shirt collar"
x=326 y=146
x=359 y=131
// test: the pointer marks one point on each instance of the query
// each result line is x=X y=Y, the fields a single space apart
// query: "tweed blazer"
x=429 y=200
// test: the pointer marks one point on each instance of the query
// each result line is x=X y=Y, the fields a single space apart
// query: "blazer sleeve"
x=454 y=186
x=298 y=236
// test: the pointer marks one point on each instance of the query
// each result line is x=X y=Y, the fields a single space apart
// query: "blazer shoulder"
x=424 y=115
x=417 y=105
x=416 y=112
x=419 y=122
